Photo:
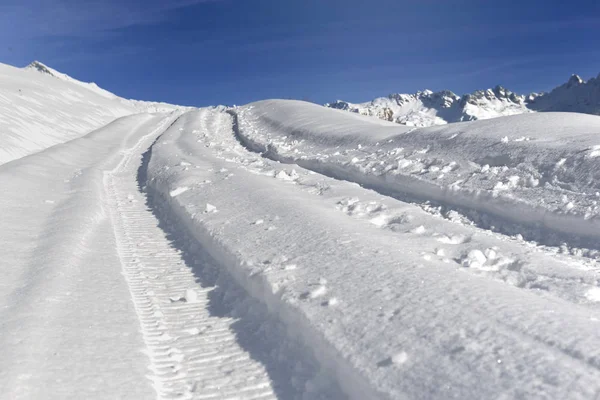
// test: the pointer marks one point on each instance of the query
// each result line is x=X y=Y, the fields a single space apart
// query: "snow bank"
x=393 y=302
x=536 y=170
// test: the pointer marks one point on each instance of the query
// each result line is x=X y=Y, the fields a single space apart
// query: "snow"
x=44 y=69
x=482 y=166
x=464 y=302
x=178 y=191
x=429 y=108
x=40 y=107
x=68 y=324
x=287 y=250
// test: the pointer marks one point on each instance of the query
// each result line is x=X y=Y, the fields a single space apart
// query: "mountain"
x=576 y=95
x=428 y=108
x=41 y=107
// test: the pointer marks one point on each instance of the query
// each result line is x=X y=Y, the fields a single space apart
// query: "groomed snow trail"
x=206 y=338
x=193 y=354
x=80 y=245
x=82 y=240
x=68 y=328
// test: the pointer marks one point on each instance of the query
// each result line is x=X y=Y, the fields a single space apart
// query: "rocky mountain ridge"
x=426 y=108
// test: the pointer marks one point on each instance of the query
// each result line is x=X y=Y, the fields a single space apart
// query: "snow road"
x=162 y=255
x=75 y=222
x=68 y=325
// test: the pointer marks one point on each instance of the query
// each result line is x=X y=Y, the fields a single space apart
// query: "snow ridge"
x=44 y=69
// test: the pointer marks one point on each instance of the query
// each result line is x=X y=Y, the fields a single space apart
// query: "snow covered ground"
x=286 y=250
x=394 y=301
x=40 y=107
x=539 y=171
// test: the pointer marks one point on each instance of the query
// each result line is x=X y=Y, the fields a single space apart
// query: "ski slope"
x=283 y=250
x=100 y=300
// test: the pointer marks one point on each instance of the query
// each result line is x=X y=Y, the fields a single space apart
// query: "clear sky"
x=202 y=52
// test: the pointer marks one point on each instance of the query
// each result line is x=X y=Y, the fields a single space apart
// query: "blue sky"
x=202 y=52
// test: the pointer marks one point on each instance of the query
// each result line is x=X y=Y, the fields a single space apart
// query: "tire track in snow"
x=206 y=339
x=524 y=342
x=193 y=354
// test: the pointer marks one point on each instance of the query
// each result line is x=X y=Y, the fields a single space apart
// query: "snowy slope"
x=437 y=108
x=284 y=250
x=68 y=327
x=101 y=298
x=535 y=169
x=40 y=107
x=392 y=299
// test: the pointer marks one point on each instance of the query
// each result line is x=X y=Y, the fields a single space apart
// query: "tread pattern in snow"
x=193 y=354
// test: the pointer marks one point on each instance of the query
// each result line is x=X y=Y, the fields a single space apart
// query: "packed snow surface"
x=283 y=250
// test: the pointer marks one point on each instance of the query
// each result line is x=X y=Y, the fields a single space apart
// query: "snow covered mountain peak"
x=44 y=69
x=574 y=80
x=36 y=65
x=426 y=108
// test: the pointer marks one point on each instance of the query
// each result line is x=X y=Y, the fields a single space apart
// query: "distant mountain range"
x=428 y=108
